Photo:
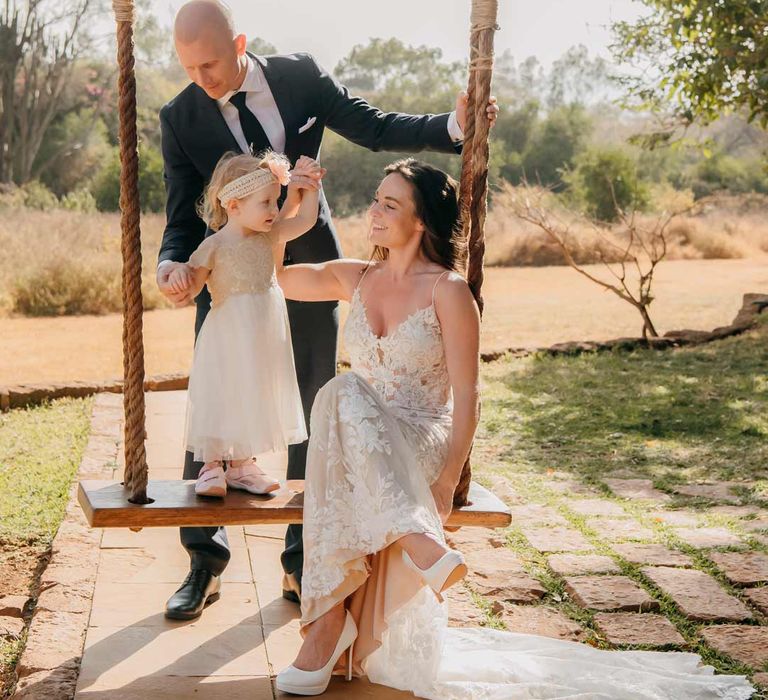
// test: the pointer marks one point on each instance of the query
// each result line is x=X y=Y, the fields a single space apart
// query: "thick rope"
x=135 y=478
x=474 y=167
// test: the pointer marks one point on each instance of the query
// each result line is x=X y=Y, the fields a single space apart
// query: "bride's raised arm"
x=334 y=280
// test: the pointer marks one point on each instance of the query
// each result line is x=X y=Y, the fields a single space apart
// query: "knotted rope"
x=135 y=478
x=474 y=165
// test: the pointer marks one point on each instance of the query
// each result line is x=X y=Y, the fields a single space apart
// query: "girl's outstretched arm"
x=300 y=209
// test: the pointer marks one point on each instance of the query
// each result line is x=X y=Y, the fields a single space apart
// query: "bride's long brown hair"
x=436 y=200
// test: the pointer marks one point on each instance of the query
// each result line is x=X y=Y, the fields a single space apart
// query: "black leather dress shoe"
x=291 y=588
x=199 y=589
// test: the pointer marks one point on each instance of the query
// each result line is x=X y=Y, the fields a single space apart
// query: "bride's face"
x=392 y=214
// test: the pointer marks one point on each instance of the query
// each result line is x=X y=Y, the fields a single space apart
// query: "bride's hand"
x=443 y=495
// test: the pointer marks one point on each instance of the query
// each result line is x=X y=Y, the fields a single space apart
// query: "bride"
x=388 y=442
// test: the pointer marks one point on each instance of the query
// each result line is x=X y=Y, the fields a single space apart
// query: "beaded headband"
x=249 y=183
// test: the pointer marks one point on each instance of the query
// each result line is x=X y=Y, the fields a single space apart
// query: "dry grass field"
x=525 y=307
x=65 y=263
x=60 y=286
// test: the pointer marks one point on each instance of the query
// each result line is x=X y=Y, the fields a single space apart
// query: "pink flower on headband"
x=280 y=171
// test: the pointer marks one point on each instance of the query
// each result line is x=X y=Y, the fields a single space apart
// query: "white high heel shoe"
x=447 y=570
x=294 y=680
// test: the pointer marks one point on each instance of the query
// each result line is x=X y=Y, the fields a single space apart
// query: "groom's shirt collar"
x=254 y=81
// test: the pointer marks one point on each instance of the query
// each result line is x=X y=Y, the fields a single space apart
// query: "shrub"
x=606 y=182
x=79 y=200
x=64 y=287
x=38 y=196
x=106 y=186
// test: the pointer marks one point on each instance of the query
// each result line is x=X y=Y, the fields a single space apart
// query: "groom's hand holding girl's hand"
x=174 y=281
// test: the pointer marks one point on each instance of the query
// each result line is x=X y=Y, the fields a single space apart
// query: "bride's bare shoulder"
x=348 y=272
x=453 y=297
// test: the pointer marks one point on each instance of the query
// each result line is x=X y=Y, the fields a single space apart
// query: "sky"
x=328 y=29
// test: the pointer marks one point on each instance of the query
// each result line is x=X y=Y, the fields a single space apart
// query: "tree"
x=555 y=144
x=630 y=268
x=606 y=181
x=106 y=186
x=698 y=57
x=39 y=45
x=260 y=47
x=401 y=77
x=577 y=78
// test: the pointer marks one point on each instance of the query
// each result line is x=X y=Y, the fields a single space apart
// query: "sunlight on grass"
x=40 y=450
x=690 y=414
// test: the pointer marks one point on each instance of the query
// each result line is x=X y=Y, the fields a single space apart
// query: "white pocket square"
x=308 y=125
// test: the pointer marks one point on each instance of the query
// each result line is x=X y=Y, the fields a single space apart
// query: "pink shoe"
x=249 y=477
x=211 y=482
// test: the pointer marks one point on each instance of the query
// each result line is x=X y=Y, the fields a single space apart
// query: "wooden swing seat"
x=105 y=504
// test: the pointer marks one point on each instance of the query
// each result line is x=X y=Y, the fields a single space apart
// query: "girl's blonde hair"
x=230 y=167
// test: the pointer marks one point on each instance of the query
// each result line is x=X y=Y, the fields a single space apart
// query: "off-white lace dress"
x=243 y=398
x=379 y=437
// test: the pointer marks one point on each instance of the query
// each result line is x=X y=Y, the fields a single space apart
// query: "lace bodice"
x=238 y=264
x=407 y=367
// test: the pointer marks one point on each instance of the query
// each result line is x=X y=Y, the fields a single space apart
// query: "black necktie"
x=252 y=129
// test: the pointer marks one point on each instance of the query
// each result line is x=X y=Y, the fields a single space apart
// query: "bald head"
x=202 y=16
x=208 y=48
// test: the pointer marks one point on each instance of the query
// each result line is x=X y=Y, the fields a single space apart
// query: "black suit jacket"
x=195 y=136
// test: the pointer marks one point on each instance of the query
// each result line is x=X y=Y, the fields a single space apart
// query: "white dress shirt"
x=261 y=102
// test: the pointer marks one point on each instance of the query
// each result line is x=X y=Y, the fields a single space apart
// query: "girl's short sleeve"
x=204 y=255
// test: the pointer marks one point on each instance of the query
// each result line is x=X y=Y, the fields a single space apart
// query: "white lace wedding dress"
x=379 y=435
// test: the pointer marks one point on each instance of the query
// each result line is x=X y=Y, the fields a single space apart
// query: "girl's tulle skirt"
x=243 y=398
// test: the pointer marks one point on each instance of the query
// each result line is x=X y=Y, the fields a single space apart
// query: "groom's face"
x=212 y=61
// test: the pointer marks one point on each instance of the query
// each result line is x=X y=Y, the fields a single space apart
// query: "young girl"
x=243 y=399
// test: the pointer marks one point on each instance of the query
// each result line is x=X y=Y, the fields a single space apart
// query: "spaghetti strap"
x=434 y=289
x=362 y=276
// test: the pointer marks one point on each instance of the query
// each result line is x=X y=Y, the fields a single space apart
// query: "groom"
x=237 y=101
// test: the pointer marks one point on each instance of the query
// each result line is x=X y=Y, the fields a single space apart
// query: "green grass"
x=40 y=450
x=673 y=416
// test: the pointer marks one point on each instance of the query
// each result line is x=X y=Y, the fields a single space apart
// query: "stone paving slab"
x=638 y=628
x=620 y=529
x=575 y=564
x=742 y=568
x=177 y=687
x=596 y=506
x=678 y=518
x=745 y=643
x=636 y=489
x=536 y=514
x=721 y=491
x=656 y=554
x=697 y=594
x=539 y=619
x=706 y=537
x=609 y=593
x=759 y=598
x=556 y=539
